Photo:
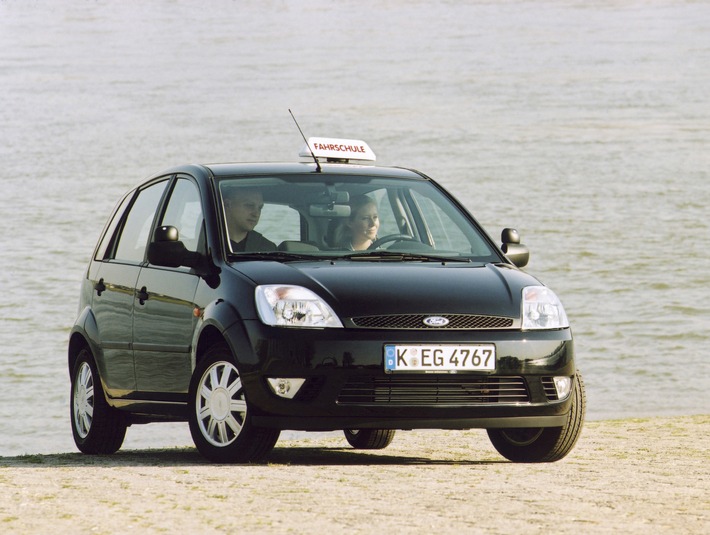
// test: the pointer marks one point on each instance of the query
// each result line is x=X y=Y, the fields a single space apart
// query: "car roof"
x=235 y=169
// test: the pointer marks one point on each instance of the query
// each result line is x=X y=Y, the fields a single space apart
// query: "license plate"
x=440 y=358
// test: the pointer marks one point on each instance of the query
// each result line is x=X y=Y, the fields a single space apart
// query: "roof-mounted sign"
x=337 y=149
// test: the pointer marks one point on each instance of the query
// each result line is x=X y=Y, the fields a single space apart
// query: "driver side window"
x=184 y=212
x=136 y=228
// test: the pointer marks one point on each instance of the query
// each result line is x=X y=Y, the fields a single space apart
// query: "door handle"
x=100 y=287
x=142 y=295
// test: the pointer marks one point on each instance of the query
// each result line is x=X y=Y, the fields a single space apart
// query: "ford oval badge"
x=436 y=321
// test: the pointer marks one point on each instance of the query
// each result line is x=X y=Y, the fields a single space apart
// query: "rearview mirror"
x=330 y=203
x=329 y=210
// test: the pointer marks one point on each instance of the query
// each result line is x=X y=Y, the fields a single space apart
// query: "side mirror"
x=516 y=252
x=167 y=250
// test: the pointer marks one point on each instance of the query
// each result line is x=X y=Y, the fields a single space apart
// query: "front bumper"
x=347 y=388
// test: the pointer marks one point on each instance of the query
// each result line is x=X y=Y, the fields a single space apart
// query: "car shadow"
x=287 y=456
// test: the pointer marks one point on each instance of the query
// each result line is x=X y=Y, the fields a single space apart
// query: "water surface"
x=583 y=124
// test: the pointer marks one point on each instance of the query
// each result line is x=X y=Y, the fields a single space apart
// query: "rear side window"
x=107 y=238
x=136 y=228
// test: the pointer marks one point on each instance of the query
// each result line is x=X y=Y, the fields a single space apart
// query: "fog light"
x=285 y=387
x=563 y=385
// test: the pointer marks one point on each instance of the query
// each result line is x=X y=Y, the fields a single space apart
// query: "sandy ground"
x=627 y=476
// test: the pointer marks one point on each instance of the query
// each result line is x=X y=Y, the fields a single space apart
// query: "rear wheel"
x=369 y=439
x=543 y=444
x=219 y=414
x=97 y=427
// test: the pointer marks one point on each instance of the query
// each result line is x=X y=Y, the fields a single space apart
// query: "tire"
x=219 y=412
x=97 y=427
x=369 y=439
x=543 y=444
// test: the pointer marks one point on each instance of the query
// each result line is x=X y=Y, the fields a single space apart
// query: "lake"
x=585 y=125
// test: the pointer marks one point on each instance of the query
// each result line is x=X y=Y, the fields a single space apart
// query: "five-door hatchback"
x=329 y=294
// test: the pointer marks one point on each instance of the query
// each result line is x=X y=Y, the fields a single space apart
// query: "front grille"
x=416 y=321
x=433 y=389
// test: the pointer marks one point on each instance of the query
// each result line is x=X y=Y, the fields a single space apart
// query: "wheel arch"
x=222 y=323
x=208 y=337
x=77 y=342
x=84 y=335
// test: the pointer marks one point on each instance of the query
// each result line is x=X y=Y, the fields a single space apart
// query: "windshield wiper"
x=402 y=257
x=276 y=256
x=377 y=256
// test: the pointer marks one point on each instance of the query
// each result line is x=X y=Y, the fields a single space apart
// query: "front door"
x=164 y=311
x=163 y=324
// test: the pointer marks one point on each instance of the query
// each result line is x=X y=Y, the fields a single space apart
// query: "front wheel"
x=543 y=444
x=97 y=427
x=220 y=423
x=369 y=439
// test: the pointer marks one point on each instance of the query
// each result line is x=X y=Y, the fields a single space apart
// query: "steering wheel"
x=391 y=237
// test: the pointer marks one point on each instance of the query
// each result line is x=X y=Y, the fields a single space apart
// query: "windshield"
x=295 y=217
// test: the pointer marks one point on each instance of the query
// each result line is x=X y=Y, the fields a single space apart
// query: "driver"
x=362 y=225
x=243 y=208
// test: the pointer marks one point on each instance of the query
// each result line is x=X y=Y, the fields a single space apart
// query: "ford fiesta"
x=329 y=294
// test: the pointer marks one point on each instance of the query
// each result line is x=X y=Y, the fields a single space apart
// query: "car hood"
x=372 y=288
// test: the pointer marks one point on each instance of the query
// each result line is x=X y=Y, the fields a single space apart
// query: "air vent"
x=433 y=389
x=548 y=385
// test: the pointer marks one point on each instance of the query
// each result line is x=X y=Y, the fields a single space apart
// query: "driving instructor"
x=243 y=209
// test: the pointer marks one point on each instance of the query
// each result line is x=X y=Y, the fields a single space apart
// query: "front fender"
x=220 y=322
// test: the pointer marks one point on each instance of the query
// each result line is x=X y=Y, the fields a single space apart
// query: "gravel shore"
x=624 y=476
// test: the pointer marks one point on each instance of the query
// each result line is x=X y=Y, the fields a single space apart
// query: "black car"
x=368 y=300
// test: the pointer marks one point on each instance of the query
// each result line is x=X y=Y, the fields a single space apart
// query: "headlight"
x=293 y=306
x=542 y=309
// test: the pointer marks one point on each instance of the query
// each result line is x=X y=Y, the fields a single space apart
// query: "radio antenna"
x=318 y=168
